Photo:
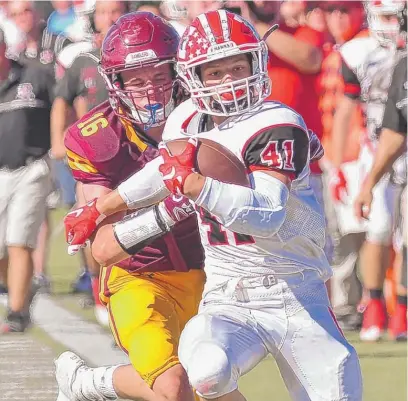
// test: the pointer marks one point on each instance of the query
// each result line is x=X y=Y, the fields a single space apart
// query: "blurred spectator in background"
x=81 y=83
x=44 y=9
x=315 y=18
x=344 y=21
x=40 y=45
x=181 y=12
x=61 y=18
x=13 y=36
x=82 y=87
x=294 y=52
x=147 y=6
x=82 y=28
x=293 y=12
x=392 y=144
x=40 y=48
x=367 y=65
x=26 y=94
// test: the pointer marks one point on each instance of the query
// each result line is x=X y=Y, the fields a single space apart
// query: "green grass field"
x=384 y=364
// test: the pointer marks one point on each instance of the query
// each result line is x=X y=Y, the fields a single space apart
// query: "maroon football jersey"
x=104 y=149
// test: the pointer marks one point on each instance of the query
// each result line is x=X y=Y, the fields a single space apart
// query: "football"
x=214 y=160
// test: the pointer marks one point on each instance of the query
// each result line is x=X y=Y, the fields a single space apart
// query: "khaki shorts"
x=23 y=205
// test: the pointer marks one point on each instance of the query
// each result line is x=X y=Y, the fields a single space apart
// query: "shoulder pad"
x=270 y=114
x=97 y=135
x=355 y=51
x=177 y=118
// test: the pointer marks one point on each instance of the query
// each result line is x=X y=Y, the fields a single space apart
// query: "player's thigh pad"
x=146 y=326
x=27 y=209
x=147 y=314
x=315 y=358
x=217 y=347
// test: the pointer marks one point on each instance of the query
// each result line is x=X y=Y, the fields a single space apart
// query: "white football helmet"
x=385 y=19
x=216 y=35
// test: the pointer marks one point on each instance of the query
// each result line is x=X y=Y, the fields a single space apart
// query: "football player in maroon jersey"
x=151 y=294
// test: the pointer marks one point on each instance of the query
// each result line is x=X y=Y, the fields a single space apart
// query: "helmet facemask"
x=386 y=32
x=158 y=100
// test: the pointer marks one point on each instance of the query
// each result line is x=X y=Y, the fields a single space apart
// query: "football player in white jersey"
x=367 y=68
x=265 y=264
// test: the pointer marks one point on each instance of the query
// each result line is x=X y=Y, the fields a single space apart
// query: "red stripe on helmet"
x=214 y=21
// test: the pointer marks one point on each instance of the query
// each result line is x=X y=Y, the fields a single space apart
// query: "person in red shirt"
x=293 y=51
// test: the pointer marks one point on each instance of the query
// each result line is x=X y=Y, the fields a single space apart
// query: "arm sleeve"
x=70 y=86
x=283 y=148
x=394 y=118
x=352 y=87
x=259 y=212
x=144 y=188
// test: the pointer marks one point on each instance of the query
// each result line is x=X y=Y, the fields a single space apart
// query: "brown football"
x=214 y=160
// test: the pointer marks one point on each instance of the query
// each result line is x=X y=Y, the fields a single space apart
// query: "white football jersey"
x=370 y=67
x=272 y=136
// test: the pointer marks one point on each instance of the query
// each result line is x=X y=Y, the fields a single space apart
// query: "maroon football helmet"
x=136 y=40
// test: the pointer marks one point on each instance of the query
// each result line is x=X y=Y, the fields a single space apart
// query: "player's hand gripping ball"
x=206 y=157
x=176 y=169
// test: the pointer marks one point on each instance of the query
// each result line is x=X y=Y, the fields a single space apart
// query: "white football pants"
x=288 y=317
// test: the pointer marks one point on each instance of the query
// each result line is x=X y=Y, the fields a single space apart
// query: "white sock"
x=103 y=380
x=95 y=384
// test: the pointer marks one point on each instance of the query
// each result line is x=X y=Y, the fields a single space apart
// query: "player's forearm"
x=139 y=230
x=391 y=145
x=108 y=202
x=304 y=56
x=341 y=125
x=142 y=189
x=258 y=212
x=111 y=203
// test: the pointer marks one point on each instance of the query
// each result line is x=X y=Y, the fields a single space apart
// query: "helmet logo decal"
x=222 y=47
x=138 y=57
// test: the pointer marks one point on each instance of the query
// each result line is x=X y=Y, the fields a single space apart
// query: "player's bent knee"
x=210 y=372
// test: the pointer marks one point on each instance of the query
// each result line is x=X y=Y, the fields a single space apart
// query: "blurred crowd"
x=62 y=40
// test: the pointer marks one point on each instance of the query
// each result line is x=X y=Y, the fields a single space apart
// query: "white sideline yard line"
x=26 y=370
x=84 y=338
